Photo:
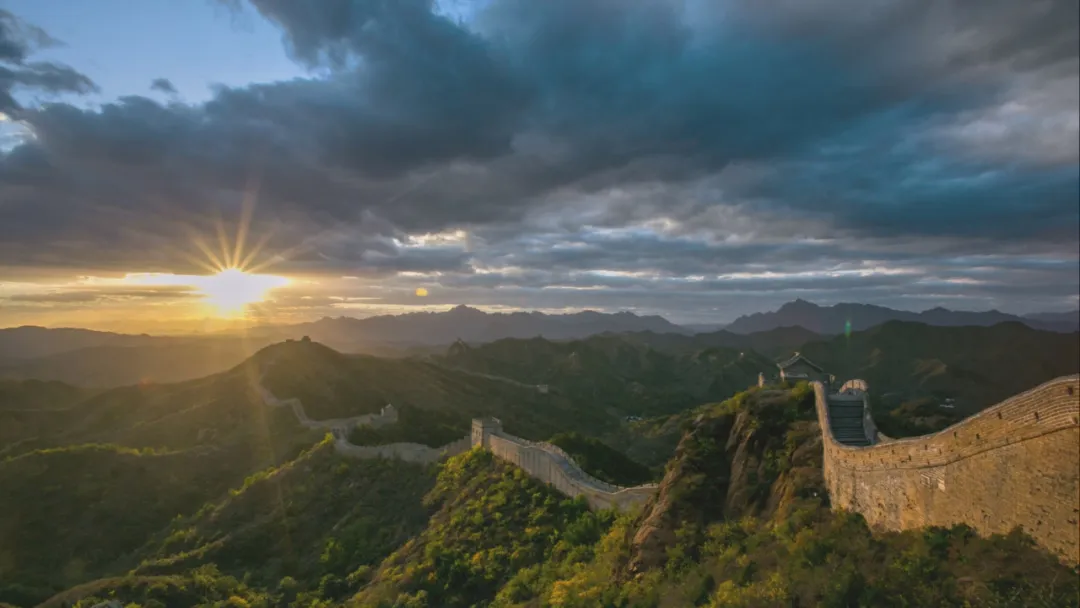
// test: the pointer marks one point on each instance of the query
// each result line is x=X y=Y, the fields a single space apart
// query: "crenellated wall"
x=552 y=465
x=1014 y=464
x=387 y=415
x=409 y=452
x=340 y=427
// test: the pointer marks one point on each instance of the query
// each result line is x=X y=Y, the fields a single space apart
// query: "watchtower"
x=482 y=429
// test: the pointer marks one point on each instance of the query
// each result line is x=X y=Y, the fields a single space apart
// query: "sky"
x=691 y=158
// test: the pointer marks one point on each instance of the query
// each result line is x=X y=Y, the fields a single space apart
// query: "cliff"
x=744 y=457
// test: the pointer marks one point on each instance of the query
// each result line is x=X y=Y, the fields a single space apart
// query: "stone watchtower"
x=482 y=429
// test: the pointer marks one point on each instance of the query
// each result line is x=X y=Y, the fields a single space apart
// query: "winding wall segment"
x=1016 y=464
x=544 y=461
x=553 y=466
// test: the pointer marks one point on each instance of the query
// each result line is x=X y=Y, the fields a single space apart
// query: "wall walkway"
x=552 y=465
x=544 y=461
x=1014 y=464
x=340 y=428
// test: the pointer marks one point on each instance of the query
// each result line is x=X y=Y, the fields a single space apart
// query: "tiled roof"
x=795 y=359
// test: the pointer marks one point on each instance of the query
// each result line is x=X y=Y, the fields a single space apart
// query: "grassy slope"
x=308 y=531
x=72 y=514
x=316 y=519
x=89 y=484
x=493 y=523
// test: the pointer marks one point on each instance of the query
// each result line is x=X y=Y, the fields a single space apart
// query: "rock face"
x=695 y=484
x=721 y=470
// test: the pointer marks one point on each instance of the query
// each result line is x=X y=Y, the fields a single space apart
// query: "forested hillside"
x=913 y=368
x=198 y=492
x=615 y=373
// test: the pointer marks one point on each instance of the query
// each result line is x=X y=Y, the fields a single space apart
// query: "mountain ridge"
x=849 y=316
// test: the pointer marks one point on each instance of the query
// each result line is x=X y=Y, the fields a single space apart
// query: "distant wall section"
x=1014 y=464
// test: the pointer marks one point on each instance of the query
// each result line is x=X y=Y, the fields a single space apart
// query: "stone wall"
x=1014 y=464
x=387 y=415
x=340 y=427
x=409 y=452
x=553 y=466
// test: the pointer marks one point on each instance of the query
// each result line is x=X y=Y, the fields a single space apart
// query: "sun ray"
x=214 y=259
x=203 y=264
x=247 y=209
x=246 y=262
x=280 y=257
x=223 y=240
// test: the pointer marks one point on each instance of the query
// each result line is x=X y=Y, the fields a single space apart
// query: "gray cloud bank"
x=677 y=157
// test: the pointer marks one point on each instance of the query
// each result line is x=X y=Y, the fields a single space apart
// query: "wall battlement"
x=552 y=465
x=1013 y=464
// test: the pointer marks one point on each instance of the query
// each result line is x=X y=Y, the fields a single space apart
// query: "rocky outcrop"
x=725 y=467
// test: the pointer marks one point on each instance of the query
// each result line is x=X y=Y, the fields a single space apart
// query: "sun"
x=231 y=291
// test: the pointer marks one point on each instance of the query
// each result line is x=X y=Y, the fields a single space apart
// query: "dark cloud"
x=572 y=136
x=163 y=85
x=18 y=40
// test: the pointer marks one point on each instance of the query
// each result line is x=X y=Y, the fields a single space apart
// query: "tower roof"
x=795 y=359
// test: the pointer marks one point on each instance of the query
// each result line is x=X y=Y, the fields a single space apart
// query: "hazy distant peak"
x=843 y=316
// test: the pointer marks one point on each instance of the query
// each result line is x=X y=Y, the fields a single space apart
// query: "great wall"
x=1015 y=464
x=545 y=461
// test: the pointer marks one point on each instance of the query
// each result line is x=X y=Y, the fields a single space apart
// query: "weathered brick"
x=1014 y=464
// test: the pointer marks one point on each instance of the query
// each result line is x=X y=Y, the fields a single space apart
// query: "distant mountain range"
x=843 y=317
x=467 y=324
x=104 y=359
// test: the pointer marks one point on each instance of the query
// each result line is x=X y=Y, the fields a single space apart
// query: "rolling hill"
x=612 y=373
x=771 y=343
x=29 y=341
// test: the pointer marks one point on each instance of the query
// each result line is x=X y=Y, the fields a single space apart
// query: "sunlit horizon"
x=227 y=294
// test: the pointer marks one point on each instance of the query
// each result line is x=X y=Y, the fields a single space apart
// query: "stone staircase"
x=846 y=420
